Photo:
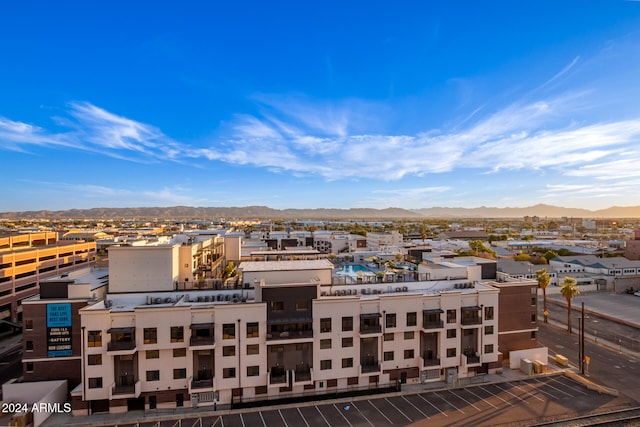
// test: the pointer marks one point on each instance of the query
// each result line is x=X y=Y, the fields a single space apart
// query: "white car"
x=637 y=293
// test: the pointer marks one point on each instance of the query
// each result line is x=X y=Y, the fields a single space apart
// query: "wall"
x=143 y=269
x=540 y=353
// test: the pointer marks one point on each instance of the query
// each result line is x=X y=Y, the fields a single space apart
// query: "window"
x=412 y=319
x=325 y=364
x=153 y=354
x=179 y=352
x=388 y=356
x=408 y=335
x=451 y=352
x=95 y=382
x=153 y=375
x=29 y=367
x=277 y=306
x=347 y=362
x=488 y=330
x=387 y=337
x=253 y=349
x=409 y=354
x=302 y=305
x=28 y=324
x=29 y=345
x=229 y=373
x=533 y=317
x=451 y=316
x=488 y=313
x=229 y=350
x=347 y=324
x=94 y=359
x=325 y=343
x=228 y=331
x=451 y=333
x=253 y=371
x=253 y=330
x=390 y=320
x=177 y=334
x=94 y=339
x=533 y=335
x=325 y=324
x=488 y=348
x=179 y=373
x=533 y=300
x=347 y=342
x=150 y=335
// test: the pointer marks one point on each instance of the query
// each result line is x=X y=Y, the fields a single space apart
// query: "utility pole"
x=582 y=357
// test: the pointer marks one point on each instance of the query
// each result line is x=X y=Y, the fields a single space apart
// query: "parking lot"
x=540 y=398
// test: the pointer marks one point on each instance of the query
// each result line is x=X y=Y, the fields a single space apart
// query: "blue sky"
x=319 y=104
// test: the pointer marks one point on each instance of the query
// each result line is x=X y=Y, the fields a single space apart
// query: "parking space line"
x=398 y=409
x=465 y=400
x=555 y=388
x=340 y=412
x=221 y=422
x=301 y=416
x=449 y=403
x=216 y=422
x=283 y=420
x=320 y=412
x=571 y=387
x=495 y=395
x=381 y=413
x=437 y=409
x=540 y=390
x=480 y=397
x=514 y=395
x=357 y=409
x=417 y=409
x=197 y=421
x=527 y=392
x=262 y=418
x=242 y=420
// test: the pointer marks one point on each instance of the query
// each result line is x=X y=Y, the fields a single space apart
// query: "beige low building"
x=287 y=332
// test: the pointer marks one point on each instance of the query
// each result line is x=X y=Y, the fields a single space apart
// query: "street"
x=608 y=367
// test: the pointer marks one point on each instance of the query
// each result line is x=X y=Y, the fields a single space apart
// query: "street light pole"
x=582 y=357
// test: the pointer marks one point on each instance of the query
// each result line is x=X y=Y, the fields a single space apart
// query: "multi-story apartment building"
x=381 y=240
x=287 y=331
x=27 y=258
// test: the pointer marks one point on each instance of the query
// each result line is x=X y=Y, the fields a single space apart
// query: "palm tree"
x=569 y=290
x=543 y=281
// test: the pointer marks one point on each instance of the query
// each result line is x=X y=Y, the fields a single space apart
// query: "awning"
x=129 y=329
x=370 y=315
x=201 y=325
x=433 y=311
x=471 y=308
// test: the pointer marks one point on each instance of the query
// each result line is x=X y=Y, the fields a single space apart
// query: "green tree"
x=543 y=281
x=522 y=257
x=549 y=255
x=568 y=291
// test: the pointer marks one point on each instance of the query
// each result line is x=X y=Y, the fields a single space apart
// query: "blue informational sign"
x=58 y=315
x=59 y=330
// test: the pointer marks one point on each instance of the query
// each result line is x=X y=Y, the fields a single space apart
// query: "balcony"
x=433 y=324
x=202 y=341
x=290 y=329
x=125 y=389
x=303 y=374
x=369 y=368
x=370 y=323
x=201 y=385
x=430 y=362
x=471 y=316
x=127 y=347
x=290 y=335
x=202 y=335
x=278 y=376
x=470 y=357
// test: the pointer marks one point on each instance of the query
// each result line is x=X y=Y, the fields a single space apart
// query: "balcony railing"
x=289 y=335
x=366 y=369
x=199 y=341
x=121 y=345
x=471 y=320
x=278 y=376
x=432 y=324
x=125 y=390
x=371 y=329
x=430 y=362
x=196 y=383
x=303 y=375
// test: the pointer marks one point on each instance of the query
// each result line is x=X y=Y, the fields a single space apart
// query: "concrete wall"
x=533 y=354
x=143 y=269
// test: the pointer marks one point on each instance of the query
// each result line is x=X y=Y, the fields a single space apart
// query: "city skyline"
x=320 y=105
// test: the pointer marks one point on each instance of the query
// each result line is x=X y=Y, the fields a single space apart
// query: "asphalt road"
x=608 y=367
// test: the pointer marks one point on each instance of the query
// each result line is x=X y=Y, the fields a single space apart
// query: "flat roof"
x=310 y=264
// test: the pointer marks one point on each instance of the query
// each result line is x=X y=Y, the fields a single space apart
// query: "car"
x=637 y=293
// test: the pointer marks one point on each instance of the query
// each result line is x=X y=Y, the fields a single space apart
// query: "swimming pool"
x=354 y=270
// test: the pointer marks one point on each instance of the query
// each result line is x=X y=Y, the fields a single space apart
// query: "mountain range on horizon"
x=259 y=212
